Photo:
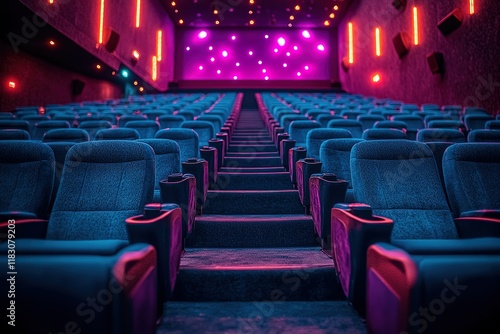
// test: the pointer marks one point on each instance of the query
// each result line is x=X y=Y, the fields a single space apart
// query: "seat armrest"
x=391 y=275
x=353 y=229
x=304 y=168
x=199 y=168
x=325 y=190
x=294 y=155
x=477 y=227
x=16 y=215
x=210 y=154
x=161 y=227
x=285 y=146
x=494 y=214
x=25 y=228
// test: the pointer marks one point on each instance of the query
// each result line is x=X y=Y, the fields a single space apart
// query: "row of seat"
x=395 y=253
x=103 y=239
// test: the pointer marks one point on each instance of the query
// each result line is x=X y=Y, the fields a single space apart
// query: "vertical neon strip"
x=159 y=43
x=351 y=44
x=377 y=42
x=101 y=22
x=138 y=14
x=471 y=7
x=415 y=26
x=154 y=72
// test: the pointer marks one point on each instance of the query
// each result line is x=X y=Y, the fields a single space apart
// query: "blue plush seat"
x=446 y=124
x=492 y=125
x=27 y=170
x=477 y=121
x=353 y=126
x=300 y=129
x=43 y=127
x=123 y=120
x=435 y=117
x=216 y=121
x=66 y=135
x=381 y=133
x=400 y=181
x=171 y=121
x=103 y=184
x=441 y=135
x=92 y=127
x=325 y=119
x=489 y=136
x=187 y=140
x=472 y=177
x=146 y=129
x=316 y=137
x=14 y=125
x=204 y=129
x=14 y=134
x=117 y=134
x=367 y=121
x=413 y=124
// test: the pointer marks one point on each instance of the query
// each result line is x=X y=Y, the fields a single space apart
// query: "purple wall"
x=39 y=82
x=278 y=62
x=471 y=53
x=79 y=20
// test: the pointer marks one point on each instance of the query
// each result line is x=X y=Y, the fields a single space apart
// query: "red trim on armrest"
x=133 y=267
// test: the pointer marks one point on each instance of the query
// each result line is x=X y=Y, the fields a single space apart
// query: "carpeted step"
x=253 y=202
x=253 y=181
x=255 y=154
x=256 y=274
x=251 y=231
x=252 y=169
x=252 y=142
x=275 y=315
x=252 y=148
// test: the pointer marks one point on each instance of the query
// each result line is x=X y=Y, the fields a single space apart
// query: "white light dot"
x=306 y=34
x=306 y=68
x=250 y=53
x=188 y=48
x=299 y=74
x=321 y=47
x=202 y=34
x=260 y=62
x=288 y=54
x=295 y=47
x=235 y=77
x=233 y=37
x=200 y=67
x=212 y=59
x=237 y=64
x=276 y=50
x=281 y=41
x=285 y=65
x=266 y=36
x=210 y=48
x=264 y=71
x=266 y=78
x=218 y=71
x=224 y=53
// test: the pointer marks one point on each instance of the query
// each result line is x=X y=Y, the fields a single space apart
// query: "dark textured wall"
x=39 y=82
x=472 y=53
x=79 y=20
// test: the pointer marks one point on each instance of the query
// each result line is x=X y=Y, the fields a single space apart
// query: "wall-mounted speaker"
x=436 y=62
x=112 y=40
x=77 y=87
x=399 y=4
x=451 y=22
x=402 y=42
x=344 y=63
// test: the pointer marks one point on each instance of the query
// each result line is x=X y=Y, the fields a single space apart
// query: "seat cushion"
x=450 y=247
x=74 y=247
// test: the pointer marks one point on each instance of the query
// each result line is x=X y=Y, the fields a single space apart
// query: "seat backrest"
x=436 y=117
x=367 y=121
x=325 y=119
x=27 y=176
x=476 y=121
x=14 y=134
x=92 y=127
x=413 y=122
x=117 y=134
x=60 y=149
x=441 y=135
x=399 y=179
x=492 y=125
x=171 y=121
x=485 y=136
x=316 y=137
x=381 y=133
x=288 y=119
x=41 y=128
x=471 y=175
x=15 y=124
x=390 y=125
x=335 y=154
x=146 y=129
x=216 y=121
x=187 y=139
x=352 y=125
x=204 y=129
x=123 y=120
x=446 y=124
x=167 y=156
x=103 y=183
x=66 y=135
x=299 y=130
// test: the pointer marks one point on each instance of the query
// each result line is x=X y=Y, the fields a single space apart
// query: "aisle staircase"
x=252 y=264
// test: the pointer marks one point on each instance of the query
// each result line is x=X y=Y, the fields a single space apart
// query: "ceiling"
x=257 y=13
